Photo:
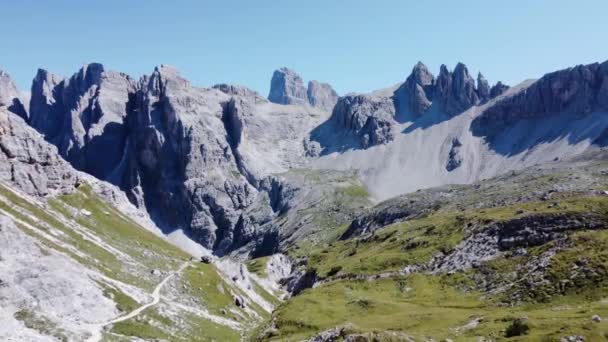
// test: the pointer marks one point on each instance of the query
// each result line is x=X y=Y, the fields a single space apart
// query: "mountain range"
x=300 y=199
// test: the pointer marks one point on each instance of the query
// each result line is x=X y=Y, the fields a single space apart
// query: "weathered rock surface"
x=180 y=164
x=452 y=92
x=240 y=91
x=575 y=91
x=287 y=87
x=321 y=95
x=416 y=87
x=30 y=163
x=84 y=116
x=10 y=96
x=368 y=118
x=454 y=156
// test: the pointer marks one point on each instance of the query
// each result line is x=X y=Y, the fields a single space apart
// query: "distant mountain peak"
x=287 y=87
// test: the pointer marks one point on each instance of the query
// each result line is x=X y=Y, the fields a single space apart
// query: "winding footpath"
x=156 y=299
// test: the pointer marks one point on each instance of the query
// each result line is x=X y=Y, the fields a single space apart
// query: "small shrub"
x=518 y=327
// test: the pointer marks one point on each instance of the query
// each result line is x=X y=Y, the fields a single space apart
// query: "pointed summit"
x=421 y=75
x=418 y=89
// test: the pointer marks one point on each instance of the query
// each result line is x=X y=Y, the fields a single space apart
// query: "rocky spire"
x=46 y=103
x=418 y=88
x=483 y=88
x=287 y=87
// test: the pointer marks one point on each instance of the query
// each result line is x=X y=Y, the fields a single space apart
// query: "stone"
x=454 y=156
x=596 y=318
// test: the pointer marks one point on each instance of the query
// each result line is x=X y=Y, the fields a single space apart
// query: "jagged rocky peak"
x=368 y=118
x=321 y=95
x=418 y=89
x=84 y=116
x=452 y=92
x=10 y=96
x=287 y=87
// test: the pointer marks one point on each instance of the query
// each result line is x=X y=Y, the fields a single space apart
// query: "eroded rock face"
x=240 y=91
x=84 y=116
x=287 y=87
x=576 y=91
x=182 y=161
x=28 y=162
x=10 y=97
x=415 y=89
x=368 y=118
x=321 y=95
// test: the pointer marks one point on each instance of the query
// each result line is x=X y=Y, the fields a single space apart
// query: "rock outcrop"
x=287 y=87
x=574 y=91
x=180 y=163
x=10 y=97
x=321 y=95
x=30 y=163
x=368 y=118
x=84 y=116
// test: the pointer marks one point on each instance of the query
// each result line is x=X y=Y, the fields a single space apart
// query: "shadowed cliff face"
x=567 y=101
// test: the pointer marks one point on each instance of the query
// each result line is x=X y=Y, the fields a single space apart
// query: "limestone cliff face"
x=28 y=162
x=579 y=90
x=84 y=116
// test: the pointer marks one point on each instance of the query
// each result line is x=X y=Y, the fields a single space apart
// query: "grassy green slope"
x=554 y=299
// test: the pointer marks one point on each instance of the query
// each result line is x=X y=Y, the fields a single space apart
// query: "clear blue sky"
x=354 y=45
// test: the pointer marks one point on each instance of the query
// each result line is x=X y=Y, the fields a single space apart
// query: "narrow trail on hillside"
x=155 y=295
x=134 y=313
